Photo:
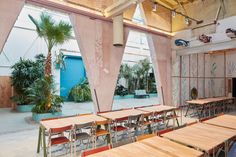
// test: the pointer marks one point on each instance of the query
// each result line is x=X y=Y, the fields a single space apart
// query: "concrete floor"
x=18 y=134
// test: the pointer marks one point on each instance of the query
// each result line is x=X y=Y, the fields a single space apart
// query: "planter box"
x=24 y=108
x=39 y=116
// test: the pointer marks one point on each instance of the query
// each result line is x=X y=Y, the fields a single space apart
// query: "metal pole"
x=96 y=100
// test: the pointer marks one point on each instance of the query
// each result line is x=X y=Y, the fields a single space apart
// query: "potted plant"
x=54 y=34
x=43 y=94
x=59 y=62
x=24 y=73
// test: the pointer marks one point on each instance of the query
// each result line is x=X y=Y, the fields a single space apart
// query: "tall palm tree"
x=53 y=33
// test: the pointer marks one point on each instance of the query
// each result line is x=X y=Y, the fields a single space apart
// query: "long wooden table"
x=152 y=147
x=226 y=121
x=56 y=123
x=202 y=136
x=113 y=115
x=201 y=103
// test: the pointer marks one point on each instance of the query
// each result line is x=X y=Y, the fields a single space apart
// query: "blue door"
x=72 y=74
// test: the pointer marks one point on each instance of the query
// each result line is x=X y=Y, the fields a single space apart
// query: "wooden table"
x=113 y=115
x=153 y=147
x=202 y=136
x=171 y=147
x=162 y=109
x=46 y=125
x=226 y=121
x=201 y=103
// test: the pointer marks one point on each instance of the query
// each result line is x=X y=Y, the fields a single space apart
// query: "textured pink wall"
x=160 y=48
x=102 y=59
x=9 y=11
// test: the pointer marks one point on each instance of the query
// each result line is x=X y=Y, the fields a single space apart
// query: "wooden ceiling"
x=100 y=5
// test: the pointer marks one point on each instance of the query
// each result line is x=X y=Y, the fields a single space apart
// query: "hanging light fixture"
x=187 y=21
x=173 y=13
x=154 y=6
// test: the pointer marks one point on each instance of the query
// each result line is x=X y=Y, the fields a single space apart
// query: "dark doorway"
x=234 y=87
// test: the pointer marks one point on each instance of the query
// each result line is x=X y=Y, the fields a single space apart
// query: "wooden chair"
x=119 y=126
x=83 y=132
x=57 y=137
x=147 y=121
x=96 y=150
x=134 y=122
x=99 y=131
x=145 y=136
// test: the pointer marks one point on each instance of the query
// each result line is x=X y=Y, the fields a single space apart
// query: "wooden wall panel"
x=5 y=92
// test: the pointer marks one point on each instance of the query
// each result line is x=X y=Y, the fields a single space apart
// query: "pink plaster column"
x=160 y=48
x=102 y=60
x=9 y=11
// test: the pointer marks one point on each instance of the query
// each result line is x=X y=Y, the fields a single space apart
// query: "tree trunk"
x=48 y=65
x=48 y=73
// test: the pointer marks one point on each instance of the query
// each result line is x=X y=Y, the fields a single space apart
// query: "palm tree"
x=53 y=33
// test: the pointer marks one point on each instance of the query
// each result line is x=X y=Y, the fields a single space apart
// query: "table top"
x=131 y=150
x=208 y=100
x=122 y=113
x=226 y=121
x=152 y=147
x=158 y=108
x=71 y=121
x=202 y=136
x=170 y=147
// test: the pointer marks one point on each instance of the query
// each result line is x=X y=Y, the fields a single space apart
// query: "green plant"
x=138 y=76
x=24 y=73
x=43 y=95
x=121 y=90
x=59 y=62
x=81 y=92
x=53 y=33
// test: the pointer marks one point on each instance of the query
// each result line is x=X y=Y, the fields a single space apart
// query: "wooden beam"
x=165 y=3
x=70 y=8
x=119 y=7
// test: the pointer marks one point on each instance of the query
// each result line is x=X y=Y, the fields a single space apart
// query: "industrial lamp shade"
x=118 y=31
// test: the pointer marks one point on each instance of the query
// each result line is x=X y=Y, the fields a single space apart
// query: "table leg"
x=44 y=143
x=39 y=139
x=177 y=121
x=187 y=110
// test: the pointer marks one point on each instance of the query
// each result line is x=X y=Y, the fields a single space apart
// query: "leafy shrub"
x=81 y=92
x=24 y=73
x=121 y=90
x=43 y=95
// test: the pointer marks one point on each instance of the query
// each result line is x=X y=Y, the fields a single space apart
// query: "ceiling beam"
x=165 y=3
x=119 y=7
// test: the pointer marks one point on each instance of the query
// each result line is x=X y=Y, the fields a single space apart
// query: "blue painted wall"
x=72 y=74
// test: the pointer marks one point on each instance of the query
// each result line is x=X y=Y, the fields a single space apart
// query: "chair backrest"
x=121 y=119
x=134 y=118
x=165 y=131
x=85 y=125
x=123 y=142
x=96 y=150
x=60 y=129
x=145 y=136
